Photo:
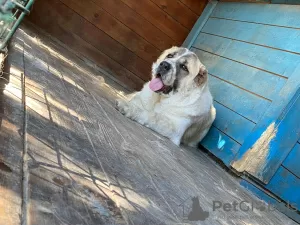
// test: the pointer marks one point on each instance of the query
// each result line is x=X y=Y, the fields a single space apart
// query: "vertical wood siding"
x=123 y=37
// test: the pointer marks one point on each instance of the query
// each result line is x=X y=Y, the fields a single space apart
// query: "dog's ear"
x=201 y=77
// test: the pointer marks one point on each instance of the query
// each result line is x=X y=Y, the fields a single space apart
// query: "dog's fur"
x=183 y=109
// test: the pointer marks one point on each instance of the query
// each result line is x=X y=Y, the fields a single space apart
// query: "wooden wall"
x=123 y=37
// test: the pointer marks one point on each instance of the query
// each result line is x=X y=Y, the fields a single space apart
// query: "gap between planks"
x=276 y=74
x=266 y=46
x=266 y=24
x=226 y=81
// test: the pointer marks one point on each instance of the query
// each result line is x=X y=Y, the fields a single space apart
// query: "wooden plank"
x=85 y=50
x=232 y=124
x=11 y=135
x=291 y=162
x=137 y=23
x=220 y=145
x=178 y=11
x=269 y=151
x=159 y=18
x=292 y=2
x=252 y=1
x=286 y=185
x=269 y=198
x=271 y=60
x=271 y=115
x=278 y=15
x=73 y=23
x=242 y=75
x=196 y=5
x=114 y=28
x=271 y=36
x=244 y=103
x=199 y=24
x=91 y=165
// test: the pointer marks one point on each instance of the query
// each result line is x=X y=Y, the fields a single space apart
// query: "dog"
x=177 y=102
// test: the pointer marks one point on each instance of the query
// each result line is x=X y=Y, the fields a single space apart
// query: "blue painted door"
x=252 y=52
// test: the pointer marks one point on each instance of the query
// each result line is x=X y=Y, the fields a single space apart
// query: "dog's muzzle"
x=163 y=68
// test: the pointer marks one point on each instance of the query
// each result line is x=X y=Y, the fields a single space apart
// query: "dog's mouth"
x=157 y=85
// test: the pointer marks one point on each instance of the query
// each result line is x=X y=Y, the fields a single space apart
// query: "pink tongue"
x=156 y=84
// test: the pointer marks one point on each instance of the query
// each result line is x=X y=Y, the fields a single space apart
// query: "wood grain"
x=137 y=23
x=157 y=16
x=267 y=59
x=178 y=11
x=196 y=5
x=243 y=76
x=269 y=36
x=234 y=125
x=289 y=193
x=84 y=49
x=277 y=15
x=291 y=162
x=114 y=28
x=88 y=164
x=11 y=137
x=246 y=104
x=75 y=24
x=246 y=1
x=221 y=145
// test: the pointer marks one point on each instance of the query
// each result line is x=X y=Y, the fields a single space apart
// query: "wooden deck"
x=68 y=157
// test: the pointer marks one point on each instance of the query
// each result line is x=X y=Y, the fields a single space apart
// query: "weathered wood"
x=291 y=162
x=233 y=124
x=221 y=145
x=269 y=36
x=242 y=75
x=267 y=59
x=291 y=2
x=239 y=100
x=278 y=15
x=11 y=136
x=270 y=129
x=289 y=193
x=263 y=160
x=91 y=165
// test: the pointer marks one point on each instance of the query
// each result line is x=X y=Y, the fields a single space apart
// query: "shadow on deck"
x=85 y=163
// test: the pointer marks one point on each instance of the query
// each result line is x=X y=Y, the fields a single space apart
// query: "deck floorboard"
x=87 y=164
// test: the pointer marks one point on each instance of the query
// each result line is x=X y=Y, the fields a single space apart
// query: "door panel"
x=275 y=141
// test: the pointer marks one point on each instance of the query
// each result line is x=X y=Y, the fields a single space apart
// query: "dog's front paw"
x=121 y=106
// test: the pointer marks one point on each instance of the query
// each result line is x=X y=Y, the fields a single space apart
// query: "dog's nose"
x=165 y=66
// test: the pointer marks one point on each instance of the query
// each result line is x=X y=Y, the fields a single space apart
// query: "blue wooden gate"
x=252 y=52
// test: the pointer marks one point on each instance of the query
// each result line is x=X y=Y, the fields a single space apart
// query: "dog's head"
x=179 y=69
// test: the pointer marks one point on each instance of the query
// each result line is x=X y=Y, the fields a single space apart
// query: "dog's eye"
x=182 y=66
x=170 y=56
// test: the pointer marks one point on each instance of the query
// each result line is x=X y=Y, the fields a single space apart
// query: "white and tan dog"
x=177 y=102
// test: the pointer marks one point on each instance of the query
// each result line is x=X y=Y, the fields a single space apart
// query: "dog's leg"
x=170 y=127
x=143 y=100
